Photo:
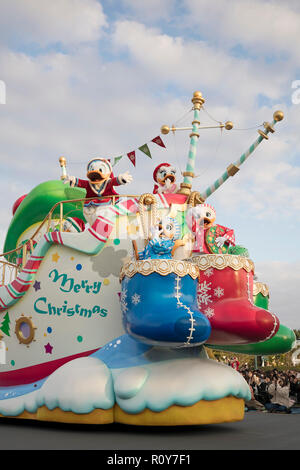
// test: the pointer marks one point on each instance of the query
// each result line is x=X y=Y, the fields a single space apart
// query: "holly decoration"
x=212 y=233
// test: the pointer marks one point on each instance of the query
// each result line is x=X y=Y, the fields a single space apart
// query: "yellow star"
x=55 y=257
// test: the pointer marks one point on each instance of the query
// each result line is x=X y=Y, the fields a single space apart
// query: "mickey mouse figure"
x=101 y=182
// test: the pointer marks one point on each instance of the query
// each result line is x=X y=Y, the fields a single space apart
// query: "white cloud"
x=190 y=64
x=48 y=22
x=263 y=27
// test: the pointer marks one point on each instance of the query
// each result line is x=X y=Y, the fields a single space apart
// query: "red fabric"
x=131 y=156
x=17 y=203
x=235 y=364
x=108 y=189
x=225 y=296
x=157 y=140
x=37 y=372
x=155 y=189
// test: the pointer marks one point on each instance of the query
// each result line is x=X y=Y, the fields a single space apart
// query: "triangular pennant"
x=116 y=159
x=144 y=148
x=131 y=156
x=157 y=140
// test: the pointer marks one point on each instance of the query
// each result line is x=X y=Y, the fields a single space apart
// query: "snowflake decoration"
x=135 y=299
x=208 y=272
x=203 y=296
x=219 y=292
x=123 y=300
x=209 y=312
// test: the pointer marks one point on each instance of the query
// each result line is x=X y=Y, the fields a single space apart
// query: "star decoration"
x=55 y=257
x=37 y=286
x=48 y=348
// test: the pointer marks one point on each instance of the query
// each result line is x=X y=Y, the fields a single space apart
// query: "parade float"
x=110 y=302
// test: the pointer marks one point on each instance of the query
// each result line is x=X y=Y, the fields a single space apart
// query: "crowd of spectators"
x=272 y=391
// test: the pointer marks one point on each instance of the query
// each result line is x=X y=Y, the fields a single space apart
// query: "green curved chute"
x=37 y=204
x=281 y=343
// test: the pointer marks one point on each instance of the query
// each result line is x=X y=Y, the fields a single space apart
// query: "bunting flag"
x=116 y=159
x=144 y=148
x=157 y=140
x=131 y=156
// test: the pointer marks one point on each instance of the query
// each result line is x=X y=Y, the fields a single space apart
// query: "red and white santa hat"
x=77 y=223
x=211 y=208
x=105 y=160
x=158 y=168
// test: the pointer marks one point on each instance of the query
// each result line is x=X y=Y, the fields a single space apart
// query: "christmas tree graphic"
x=5 y=325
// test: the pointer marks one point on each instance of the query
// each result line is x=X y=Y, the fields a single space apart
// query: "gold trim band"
x=260 y=288
x=160 y=266
x=221 y=261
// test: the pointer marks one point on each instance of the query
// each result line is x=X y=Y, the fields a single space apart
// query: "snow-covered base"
x=158 y=381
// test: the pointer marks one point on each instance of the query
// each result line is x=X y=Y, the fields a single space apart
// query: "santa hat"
x=105 y=160
x=208 y=206
x=157 y=169
x=77 y=223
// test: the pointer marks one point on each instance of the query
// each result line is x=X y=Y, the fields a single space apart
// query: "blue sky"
x=92 y=78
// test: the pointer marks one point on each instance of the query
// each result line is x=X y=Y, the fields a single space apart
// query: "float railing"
x=21 y=252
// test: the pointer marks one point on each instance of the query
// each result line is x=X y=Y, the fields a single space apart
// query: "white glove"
x=125 y=177
x=155 y=232
x=168 y=183
x=70 y=179
x=220 y=241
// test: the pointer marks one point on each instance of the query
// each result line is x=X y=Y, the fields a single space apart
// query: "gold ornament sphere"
x=197 y=94
x=228 y=125
x=278 y=115
x=62 y=161
x=149 y=199
x=165 y=129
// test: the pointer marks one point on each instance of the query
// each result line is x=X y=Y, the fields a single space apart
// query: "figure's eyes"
x=208 y=214
x=169 y=227
x=103 y=169
x=173 y=172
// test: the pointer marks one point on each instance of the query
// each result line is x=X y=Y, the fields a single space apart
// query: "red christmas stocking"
x=225 y=296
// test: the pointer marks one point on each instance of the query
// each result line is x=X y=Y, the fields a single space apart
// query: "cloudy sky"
x=88 y=78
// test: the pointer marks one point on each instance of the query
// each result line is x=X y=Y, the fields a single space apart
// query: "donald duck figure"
x=101 y=182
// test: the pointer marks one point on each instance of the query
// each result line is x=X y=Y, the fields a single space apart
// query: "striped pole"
x=91 y=242
x=186 y=185
x=233 y=168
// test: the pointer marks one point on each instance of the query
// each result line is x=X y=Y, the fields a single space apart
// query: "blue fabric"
x=161 y=310
x=158 y=248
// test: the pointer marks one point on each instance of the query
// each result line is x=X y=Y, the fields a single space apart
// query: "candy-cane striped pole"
x=233 y=168
x=186 y=185
x=91 y=242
